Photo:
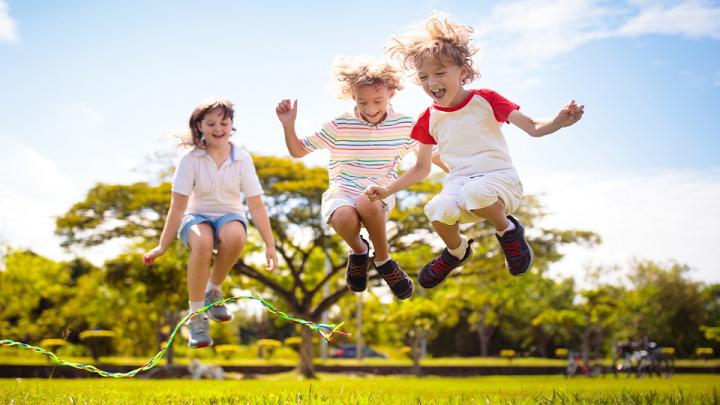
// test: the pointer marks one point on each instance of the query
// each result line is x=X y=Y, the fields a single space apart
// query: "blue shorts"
x=216 y=222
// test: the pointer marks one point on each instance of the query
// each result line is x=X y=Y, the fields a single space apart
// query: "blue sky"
x=90 y=90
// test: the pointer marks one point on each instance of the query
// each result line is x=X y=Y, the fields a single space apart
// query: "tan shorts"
x=334 y=199
x=461 y=194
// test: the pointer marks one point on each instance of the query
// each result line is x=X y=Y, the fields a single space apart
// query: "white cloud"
x=660 y=215
x=694 y=19
x=33 y=192
x=8 y=32
x=520 y=36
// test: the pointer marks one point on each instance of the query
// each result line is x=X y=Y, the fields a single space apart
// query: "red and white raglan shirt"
x=468 y=135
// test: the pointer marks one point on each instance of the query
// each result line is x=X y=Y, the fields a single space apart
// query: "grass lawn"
x=333 y=389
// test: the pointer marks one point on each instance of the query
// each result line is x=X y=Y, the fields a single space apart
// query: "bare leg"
x=346 y=222
x=372 y=215
x=198 y=268
x=450 y=234
x=232 y=241
x=495 y=214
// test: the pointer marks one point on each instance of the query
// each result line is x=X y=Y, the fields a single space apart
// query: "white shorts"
x=333 y=199
x=461 y=194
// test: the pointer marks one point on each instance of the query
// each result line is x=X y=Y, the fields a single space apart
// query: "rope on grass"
x=326 y=331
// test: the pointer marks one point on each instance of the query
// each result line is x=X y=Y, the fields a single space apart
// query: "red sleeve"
x=501 y=106
x=421 y=129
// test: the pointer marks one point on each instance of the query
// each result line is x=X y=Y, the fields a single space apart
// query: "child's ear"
x=464 y=74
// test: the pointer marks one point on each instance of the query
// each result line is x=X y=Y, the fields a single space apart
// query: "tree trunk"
x=542 y=342
x=484 y=335
x=416 y=352
x=306 y=367
x=586 y=343
x=163 y=335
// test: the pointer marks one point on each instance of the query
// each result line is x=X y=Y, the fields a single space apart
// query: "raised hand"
x=569 y=114
x=286 y=111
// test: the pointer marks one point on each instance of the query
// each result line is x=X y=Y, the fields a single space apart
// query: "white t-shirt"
x=216 y=191
x=468 y=136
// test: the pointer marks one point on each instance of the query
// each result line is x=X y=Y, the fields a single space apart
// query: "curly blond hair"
x=439 y=39
x=351 y=72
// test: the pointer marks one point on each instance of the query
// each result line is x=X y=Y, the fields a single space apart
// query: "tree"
x=33 y=291
x=292 y=194
x=665 y=306
x=498 y=297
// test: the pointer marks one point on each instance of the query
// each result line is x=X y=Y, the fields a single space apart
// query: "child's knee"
x=367 y=208
x=233 y=234
x=443 y=210
x=201 y=243
x=344 y=215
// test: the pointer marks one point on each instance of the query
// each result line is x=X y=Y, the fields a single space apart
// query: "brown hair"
x=194 y=137
x=440 y=39
x=351 y=72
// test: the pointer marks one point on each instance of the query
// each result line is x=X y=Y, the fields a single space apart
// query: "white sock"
x=212 y=286
x=510 y=227
x=459 y=251
x=196 y=305
x=381 y=262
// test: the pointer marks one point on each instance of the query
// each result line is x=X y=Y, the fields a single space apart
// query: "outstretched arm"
x=410 y=177
x=568 y=115
x=178 y=203
x=287 y=113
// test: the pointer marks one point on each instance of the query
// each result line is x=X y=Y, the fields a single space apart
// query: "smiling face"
x=442 y=82
x=372 y=101
x=215 y=127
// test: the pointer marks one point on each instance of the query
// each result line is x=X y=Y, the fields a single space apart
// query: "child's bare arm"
x=439 y=163
x=178 y=203
x=410 y=177
x=287 y=113
x=260 y=219
x=568 y=115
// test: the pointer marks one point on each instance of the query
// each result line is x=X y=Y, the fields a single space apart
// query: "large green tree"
x=313 y=257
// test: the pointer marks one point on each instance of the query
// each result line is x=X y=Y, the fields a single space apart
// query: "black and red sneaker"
x=399 y=282
x=519 y=255
x=357 y=270
x=438 y=269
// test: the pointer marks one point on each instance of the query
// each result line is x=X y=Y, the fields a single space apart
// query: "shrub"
x=508 y=354
x=99 y=342
x=228 y=351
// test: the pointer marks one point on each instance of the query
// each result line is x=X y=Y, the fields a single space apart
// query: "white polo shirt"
x=213 y=190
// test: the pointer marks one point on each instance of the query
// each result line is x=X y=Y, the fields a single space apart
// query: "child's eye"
x=422 y=77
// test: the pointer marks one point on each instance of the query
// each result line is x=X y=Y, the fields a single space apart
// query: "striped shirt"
x=361 y=153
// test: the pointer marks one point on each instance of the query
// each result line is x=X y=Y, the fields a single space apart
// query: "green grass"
x=333 y=389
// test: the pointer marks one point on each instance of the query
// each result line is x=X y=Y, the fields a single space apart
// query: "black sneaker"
x=357 y=270
x=438 y=269
x=519 y=255
x=399 y=282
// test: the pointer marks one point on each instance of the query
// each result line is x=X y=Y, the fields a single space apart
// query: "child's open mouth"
x=438 y=93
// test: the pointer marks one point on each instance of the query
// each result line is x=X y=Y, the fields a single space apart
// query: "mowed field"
x=334 y=389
